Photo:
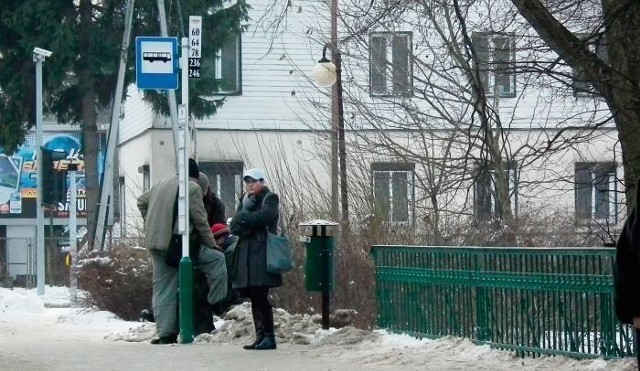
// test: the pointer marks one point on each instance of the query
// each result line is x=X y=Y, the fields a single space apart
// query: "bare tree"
x=455 y=113
x=616 y=79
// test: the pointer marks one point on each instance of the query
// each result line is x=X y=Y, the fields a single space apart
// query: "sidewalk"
x=53 y=350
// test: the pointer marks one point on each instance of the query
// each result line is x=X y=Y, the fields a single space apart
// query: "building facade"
x=450 y=115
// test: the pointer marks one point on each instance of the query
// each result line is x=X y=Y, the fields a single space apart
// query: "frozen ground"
x=41 y=333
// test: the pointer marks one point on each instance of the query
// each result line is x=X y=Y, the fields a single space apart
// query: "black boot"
x=169 y=339
x=258 y=324
x=269 y=342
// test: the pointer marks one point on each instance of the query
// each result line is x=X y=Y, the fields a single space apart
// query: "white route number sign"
x=195 y=45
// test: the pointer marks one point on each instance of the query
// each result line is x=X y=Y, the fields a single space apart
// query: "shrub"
x=118 y=281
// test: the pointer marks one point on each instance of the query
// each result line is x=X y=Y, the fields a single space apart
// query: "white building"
x=416 y=151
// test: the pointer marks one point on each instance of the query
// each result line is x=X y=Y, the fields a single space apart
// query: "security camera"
x=42 y=52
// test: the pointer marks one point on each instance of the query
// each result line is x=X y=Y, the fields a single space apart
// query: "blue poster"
x=18 y=176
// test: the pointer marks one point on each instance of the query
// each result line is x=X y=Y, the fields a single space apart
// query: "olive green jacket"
x=156 y=207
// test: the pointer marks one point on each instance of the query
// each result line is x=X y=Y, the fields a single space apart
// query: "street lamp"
x=39 y=55
x=324 y=73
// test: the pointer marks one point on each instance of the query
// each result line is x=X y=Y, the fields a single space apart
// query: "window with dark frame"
x=486 y=204
x=496 y=62
x=228 y=67
x=226 y=181
x=390 y=64
x=595 y=192
x=393 y=192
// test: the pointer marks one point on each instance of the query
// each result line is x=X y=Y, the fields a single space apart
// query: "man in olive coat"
x=157 y=207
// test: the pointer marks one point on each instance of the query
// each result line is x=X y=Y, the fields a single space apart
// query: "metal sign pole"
x=40 y=250
x=73 y=229
x=186 y=266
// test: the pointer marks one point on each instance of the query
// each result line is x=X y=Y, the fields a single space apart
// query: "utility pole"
x=171 y=94
x=106 y=187
x=334 y=114
x=338 y=146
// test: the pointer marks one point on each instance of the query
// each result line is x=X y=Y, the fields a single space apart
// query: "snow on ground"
x=35 y=314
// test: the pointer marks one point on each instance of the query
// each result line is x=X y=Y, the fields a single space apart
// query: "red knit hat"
x=219 y=230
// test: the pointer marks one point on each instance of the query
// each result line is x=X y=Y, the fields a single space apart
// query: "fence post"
x=483 y=333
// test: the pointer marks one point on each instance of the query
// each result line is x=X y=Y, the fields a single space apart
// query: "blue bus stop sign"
x=157 y=63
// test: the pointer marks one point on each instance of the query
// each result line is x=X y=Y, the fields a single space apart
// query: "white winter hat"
x=256 y=174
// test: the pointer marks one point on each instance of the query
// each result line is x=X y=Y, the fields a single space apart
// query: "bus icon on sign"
x=156 y=56
x=156 y=66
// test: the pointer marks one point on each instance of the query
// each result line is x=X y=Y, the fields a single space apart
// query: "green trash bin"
x=318 y=258
x=319 y=267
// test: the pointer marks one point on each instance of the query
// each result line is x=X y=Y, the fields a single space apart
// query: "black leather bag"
x=174 y=251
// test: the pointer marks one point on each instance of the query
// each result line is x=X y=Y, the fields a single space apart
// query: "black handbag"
x=174 y=251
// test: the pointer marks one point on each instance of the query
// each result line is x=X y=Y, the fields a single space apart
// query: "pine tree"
x=79 y=79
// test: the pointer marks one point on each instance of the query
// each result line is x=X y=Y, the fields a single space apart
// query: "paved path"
x=51 y=350
x=59 y=344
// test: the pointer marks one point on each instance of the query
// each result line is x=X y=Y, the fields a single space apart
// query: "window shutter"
x=503 y=64
x=401 y=67
x=583 y=191
x=381 y=194
x=481 y=47
x=400 y=189
x=229 y=65
x=601 y=199
x=378 y=64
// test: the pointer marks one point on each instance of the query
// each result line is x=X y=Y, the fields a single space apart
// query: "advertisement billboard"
x=18 y=176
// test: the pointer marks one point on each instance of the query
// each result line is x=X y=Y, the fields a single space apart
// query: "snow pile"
x=46 y=317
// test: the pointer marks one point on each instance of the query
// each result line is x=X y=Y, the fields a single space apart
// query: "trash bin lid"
x=318 y=222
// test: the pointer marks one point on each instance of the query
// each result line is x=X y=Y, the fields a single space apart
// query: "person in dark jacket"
x=256 y=213
x=212 y=203
x=627 y=272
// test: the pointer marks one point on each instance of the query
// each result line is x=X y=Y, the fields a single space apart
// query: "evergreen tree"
x=79 y=79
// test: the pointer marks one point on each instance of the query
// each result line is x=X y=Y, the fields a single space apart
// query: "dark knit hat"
x=194 y=171
x=203 y=181
x=219 y=230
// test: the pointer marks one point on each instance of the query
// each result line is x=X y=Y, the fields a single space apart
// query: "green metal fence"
x=530 y=300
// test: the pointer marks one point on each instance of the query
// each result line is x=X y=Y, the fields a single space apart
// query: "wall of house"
x=546 y=181
x=137 y=115
x=442 y=95
x=277 y=58
x=295 y=162
x=280 y=123
x=134 y=154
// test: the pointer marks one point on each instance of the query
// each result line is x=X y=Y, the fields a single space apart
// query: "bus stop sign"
x=157 y=63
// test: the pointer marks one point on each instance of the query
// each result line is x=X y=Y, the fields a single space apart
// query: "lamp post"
x=325 y=74
x=39 y=55
x=330 y=74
